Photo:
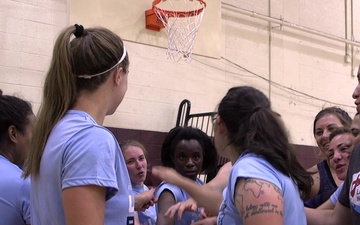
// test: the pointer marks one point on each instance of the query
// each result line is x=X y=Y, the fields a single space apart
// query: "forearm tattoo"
x=257 y=188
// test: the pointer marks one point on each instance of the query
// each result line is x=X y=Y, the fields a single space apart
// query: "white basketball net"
x=181 y=19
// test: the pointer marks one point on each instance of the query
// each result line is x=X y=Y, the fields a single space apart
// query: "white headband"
x=98 y=74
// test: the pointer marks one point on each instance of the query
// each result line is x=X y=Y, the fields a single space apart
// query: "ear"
x=221 y=125
x=118 y=75
x=12 y=133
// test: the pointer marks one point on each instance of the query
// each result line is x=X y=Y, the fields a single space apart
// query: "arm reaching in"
x=339 y=215
x=210 y=192
x=181 y=207
x=326 y=205
x=145 y=199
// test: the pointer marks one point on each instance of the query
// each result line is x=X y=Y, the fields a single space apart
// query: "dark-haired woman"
x=324 y=176
x=16 y=127
x=266 y=182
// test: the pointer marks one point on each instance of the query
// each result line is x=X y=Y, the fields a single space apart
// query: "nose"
x=337 y=156
x=190 y=163
x=356 y=92
x=137 y=164
x=326 y=133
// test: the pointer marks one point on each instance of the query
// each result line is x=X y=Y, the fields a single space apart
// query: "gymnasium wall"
x=299 y=71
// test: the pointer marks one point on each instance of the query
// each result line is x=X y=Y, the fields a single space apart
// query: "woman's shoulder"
x=165 y=186
x=317 y=167
x=313 y=169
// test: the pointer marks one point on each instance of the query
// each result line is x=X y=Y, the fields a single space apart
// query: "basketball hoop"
x=181 y=19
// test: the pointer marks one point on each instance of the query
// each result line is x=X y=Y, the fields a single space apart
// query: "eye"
x=331 y=129
x=142 y=158
x=355 y=132
x=330 y=154
x=130 y=161
x=196 y=158
x=319 y=133
x=344 y=149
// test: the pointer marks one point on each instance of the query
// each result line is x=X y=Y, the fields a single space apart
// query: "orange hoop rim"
x=181 y=14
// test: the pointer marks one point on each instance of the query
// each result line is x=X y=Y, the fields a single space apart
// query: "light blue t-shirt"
x=79 y=152
x=253 y=166
x=14 y=194
x=148 y=217
x=335 y=196
x=180 y=195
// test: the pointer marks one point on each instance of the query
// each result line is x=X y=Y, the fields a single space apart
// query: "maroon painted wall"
x=152 y=140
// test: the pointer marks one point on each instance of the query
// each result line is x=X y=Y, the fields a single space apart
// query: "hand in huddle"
x=145 y=199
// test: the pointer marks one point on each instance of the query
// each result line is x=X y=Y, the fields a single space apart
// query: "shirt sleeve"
x=334 y=197
x=24 y=200
x=165 y=186
x=89 y=159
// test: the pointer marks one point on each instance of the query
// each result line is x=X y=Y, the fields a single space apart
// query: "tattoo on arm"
x=251 y=196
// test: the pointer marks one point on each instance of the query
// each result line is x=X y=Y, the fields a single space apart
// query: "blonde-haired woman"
x=78 y=174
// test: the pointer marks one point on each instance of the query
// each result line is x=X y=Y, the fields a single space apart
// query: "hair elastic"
x=98 y=74
x=256 y=109
x=79 y=30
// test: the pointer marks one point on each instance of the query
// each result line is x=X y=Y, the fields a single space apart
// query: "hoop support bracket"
x=152 y=22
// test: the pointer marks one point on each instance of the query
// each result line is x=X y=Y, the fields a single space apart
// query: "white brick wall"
x=27 y=32
x=300 y=61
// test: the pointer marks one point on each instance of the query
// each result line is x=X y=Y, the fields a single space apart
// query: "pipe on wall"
x=346 y=33
x=353 y=70
x=270 y=50
x=288 y=24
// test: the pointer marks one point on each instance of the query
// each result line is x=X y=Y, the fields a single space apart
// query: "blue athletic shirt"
x=80 y=152
x=14 y=194
x=180 y=195
x=148 y=217
x=335 y=196
x=253 y=166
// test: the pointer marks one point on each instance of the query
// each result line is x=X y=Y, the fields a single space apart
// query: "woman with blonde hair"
x=78 y=173
x=135 y=156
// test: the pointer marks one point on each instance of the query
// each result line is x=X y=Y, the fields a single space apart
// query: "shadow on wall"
x=152 y=140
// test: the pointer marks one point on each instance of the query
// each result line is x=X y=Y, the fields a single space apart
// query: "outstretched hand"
x=166 y=174
x=145 y=199
x=181 y=207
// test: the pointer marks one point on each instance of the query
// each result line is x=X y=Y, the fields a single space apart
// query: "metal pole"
x=288 y=24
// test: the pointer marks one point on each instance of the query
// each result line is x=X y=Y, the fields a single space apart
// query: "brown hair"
x=93 y=51
x=124 y=145
x=254 y=127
